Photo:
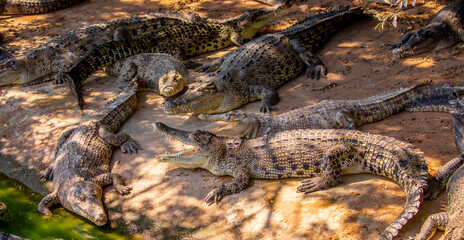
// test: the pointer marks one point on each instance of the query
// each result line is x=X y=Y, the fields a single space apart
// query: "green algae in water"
x=24 y=220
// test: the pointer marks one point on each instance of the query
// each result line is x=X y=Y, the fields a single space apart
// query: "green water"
x=24 y=220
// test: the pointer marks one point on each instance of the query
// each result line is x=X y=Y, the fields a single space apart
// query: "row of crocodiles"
x=317 y=142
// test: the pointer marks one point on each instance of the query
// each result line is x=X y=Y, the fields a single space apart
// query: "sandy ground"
x=167 y=201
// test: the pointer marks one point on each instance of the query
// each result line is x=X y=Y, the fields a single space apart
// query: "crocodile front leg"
x=331 y=165
x=242 y=180
x=430 y=226
x=268 y=96
x=236 y=39
x=129 y=74
x=48 y=201
x=316 y=68
x=115 y=179
x=128 y=144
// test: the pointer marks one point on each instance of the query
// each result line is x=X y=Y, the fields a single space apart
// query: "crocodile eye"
x=203 y=137
x=81 y=198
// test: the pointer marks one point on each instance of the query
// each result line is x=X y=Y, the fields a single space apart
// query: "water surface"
x=24 y=220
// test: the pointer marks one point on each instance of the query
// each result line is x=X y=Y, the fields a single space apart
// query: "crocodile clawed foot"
x=214 y=196
x=130 y=146
x=316 y=72
x=47 y=175
x=123 y=190
x=311 y=185
x=267 y=108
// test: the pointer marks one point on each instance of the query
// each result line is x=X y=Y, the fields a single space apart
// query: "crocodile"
x=34 y=6
x=451 y=219
x=254 y=70
x=82 y=158
x=445 y=30
x=182 y=40
x=156 y=72
x=337 y=114
x=322 y=155
x=63 y=51
x=3 y=209
x=438 y=182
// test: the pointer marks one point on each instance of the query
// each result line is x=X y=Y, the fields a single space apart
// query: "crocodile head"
x=201 y=97
x=172 y=83
x=84 y=198
x=19 y=70
x=250 y=22
x=432 y=37
x=239 y=124
x=203 y=144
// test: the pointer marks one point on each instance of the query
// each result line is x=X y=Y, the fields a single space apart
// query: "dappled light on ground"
x=167 y=202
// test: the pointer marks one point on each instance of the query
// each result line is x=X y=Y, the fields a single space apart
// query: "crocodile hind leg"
x=126 y=142
x=48 y=201
x=242 y=180
x=331 y=165
x=268 y=96
x=430 y=226
x=316 y=68
x=115 y=179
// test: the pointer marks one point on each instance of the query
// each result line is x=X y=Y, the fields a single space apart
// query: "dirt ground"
x=167 y=201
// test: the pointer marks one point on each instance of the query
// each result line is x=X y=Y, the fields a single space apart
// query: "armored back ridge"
x=254 y=70
x=321 y=155
x=34 y=6
x=347 y=114
x=64 y=51
x=182 y=40
x=82 y=158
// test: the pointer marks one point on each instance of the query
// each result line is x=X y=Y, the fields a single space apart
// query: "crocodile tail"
x=74 y=87
x=434 y=98
x=414 y=188
x=119 y=109
x=313 y=31
x=34 y=6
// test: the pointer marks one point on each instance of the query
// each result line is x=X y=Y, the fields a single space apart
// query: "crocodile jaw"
x=192 y=157
x=256 y=19
x=199 y=98
x=427 y=39
x=84 y=198
x=239 y=124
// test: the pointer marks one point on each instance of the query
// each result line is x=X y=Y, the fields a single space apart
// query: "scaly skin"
x=82 y=158
x=337 y=114
x=156 y=72
x=62 y=52
x=445 y=30
x=322 y=155
x=182 y=40
x=34 y=6
x=451 y=220
x=441 y=177
x=256 y=69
